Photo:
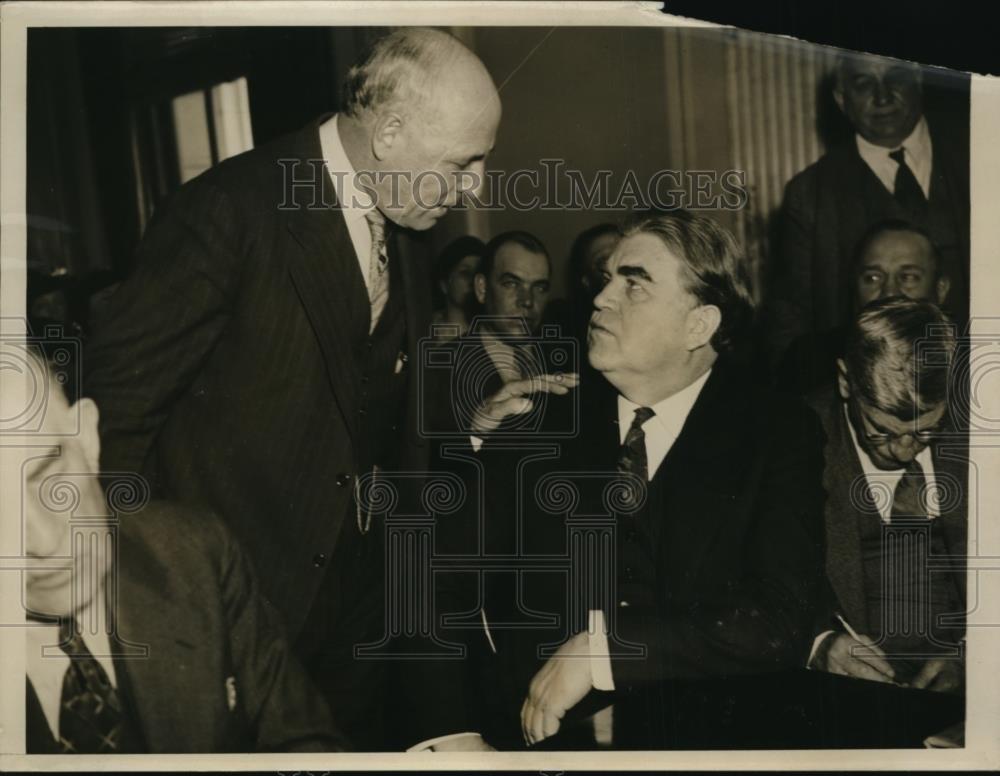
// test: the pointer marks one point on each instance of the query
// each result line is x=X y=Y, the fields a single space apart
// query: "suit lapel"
x=842 y=477
x=171 y=682
x=39 y=738
x=416 y=290
x=326 y=294
x=703 y=473
x=951 y=471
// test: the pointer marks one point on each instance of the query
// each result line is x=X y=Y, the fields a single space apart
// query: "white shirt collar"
x=46 y=663
x=354 y=201
x=918 y=154
x=665 y=426
x=885 y=480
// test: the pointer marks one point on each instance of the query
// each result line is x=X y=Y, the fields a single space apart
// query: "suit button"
x=629 y=572
x=623 y=604
x=343 y=479
x=362 y=412
x=319 y=560
x=364 y=379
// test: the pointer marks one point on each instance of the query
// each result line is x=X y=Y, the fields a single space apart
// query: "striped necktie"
x=632 y=458
x=378 y=267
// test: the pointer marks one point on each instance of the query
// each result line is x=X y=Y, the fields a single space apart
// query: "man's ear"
x=838 y=97
x=943 y=287
x=386 y=134
x=843 y=386
x=90 y=437
x=703 y=321
x=479 y=285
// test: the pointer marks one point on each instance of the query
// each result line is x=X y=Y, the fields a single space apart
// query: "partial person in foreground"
x=896 y=477
x=217 y=675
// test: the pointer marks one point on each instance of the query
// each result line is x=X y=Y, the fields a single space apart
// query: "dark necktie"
x=632 y=458
x=907 y=190
x=90 y=716
x=909 y=498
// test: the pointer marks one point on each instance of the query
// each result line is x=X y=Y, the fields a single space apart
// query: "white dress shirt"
x=47 y=669
x=917 y=152
x=665 y=426
x=355 y=203
x=661 y=432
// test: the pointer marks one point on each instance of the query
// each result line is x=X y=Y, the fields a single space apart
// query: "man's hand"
x=940 y=675
x=561 y=683
x=512 y=399
x=861 y=659
x=469 y=743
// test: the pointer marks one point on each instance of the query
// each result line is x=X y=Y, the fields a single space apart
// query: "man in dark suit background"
x=717 y=560
x=256 y=360
x=499 y=372
x=217 y=674
x=896 y=477
x=897 y=166
x=491 y=394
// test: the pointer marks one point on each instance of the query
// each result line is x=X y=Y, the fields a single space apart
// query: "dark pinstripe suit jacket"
x=223 y=367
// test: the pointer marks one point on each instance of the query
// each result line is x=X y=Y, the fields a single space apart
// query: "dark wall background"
x=948 y=33
x=597 y=98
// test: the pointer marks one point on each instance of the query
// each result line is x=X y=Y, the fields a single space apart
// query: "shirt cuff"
x=423 y=746
x=816 y=642
x=600 y=657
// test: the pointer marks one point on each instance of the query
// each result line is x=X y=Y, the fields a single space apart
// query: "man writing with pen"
x=896 y=474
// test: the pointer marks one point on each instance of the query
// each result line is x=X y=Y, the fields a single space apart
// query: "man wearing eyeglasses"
x=895 y=515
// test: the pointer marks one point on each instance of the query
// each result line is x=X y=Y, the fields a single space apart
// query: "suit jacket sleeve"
x=791 y=306
x=284 y=709
x=766 y=621
x=163 y=321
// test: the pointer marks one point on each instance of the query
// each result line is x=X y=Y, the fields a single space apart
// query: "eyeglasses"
x=924 y=437
x=878 y=436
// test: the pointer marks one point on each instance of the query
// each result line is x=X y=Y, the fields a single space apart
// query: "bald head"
x=413 y=71
x=895 y=258
x=422 y=109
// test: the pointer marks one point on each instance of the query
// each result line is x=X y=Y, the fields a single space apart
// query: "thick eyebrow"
x=632 y=271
